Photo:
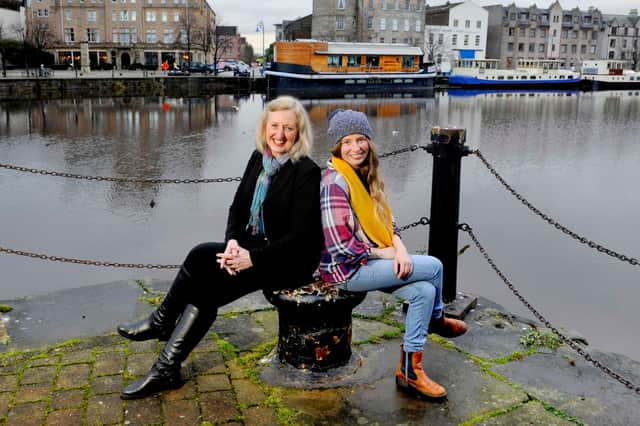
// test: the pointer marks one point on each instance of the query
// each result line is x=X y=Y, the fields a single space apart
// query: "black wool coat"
x=289 y=253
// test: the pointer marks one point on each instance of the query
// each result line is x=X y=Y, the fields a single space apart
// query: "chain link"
x=409 y=148
x=424 y=221
x=86 y=262
x=573 y=345
x=116 y=179
x=602 y=249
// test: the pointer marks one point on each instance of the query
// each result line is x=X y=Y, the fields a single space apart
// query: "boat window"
x=524 y=77
x=500 y=77
x=373 y=61
x=533 y=77
x=354 y=60
x=408 y=61
x=509 y=77
x=333 y=61
x=561 y=77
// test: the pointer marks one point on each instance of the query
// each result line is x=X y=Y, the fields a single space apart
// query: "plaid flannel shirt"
x=346 y=245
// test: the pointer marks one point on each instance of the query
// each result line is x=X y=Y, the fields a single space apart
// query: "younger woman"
x=364 y=252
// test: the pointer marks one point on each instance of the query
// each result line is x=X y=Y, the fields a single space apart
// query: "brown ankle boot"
x=447 y=327
x=411 y=376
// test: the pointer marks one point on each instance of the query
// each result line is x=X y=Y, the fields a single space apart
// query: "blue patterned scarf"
x=270 y=166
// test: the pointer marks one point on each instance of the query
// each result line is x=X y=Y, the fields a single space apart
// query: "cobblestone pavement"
x=490 y=376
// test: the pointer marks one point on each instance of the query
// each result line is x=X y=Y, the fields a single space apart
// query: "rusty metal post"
x=447 y=147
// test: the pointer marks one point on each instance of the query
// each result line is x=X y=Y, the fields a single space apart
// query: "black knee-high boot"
x=165 y=373
x=162 y=321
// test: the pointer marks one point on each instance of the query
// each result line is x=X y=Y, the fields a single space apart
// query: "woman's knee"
x=202 y=257
x=426 y=267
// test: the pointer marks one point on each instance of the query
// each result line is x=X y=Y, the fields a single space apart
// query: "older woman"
x=364 y=252
x=273 y=240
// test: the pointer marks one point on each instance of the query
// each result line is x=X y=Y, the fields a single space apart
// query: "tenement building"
x=622 y=34
x=455 y=31
x=122 y=32
x=380 y=21
x=570 y=36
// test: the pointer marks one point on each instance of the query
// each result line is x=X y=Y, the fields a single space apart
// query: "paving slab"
x=567 y=381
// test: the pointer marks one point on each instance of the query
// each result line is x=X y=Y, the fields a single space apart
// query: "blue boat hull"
x=469 y=81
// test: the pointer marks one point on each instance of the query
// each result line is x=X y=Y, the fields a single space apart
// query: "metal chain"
x=424 y=221
x=86 y=262
x=409 y=148
x=116 y=179
x=602 y=249
x=157 y=181
x=573 y=345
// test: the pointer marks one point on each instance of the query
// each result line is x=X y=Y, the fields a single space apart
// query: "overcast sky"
x=246 y=14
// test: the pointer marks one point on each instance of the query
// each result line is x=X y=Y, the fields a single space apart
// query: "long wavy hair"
x=369 y=171
x=303 y=143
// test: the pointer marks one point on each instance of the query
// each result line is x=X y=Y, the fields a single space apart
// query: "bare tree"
x=435 y=48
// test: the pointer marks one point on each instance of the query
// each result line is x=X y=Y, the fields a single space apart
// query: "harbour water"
x=573 y=155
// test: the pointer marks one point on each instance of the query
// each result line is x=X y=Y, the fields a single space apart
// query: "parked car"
x=196 y=67
x=177 y=72
x=242 y=71
x=229 y=64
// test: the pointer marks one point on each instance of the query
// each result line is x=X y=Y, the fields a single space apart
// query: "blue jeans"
x=423 y=290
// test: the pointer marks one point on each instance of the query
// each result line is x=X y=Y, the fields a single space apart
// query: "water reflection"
x=573 y=155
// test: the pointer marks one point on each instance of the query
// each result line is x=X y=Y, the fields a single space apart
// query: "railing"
x=423 y=221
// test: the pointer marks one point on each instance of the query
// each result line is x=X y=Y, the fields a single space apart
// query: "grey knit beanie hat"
x=344 y=122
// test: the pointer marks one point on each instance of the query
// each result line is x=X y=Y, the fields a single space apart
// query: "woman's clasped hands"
x=234 y=259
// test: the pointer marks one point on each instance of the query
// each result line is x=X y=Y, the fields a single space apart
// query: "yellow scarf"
x=362 y=204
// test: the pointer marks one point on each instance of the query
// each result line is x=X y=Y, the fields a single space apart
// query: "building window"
x=532 y=47
x=556 y=19
x=340 y=23
x=612 y=54
x=68 y=15
x=333 y=61
x=165 y=16
x=370 y=22
x=477 y=40
x=510 y=47
x=419 y=5
x=454 y=40
x=407 y=4
x=592 y=50
x=564 y=34
x=91 y=15
x=133 y=15
x=407 y=25
x=167 y=37
x=394 y=25
x=574 y=48
x=612 y=42
x=93 y=35
x=512 y=32
x=467 y=23
x=151 y=17
x=381 y=39
x=69 y=36
x=594 y=35
x=383 y=24
x=384 y=5
x=574 y=34
x=151 y=36
x=478 y=24
x=393 y=40
x=543 y=33
x=440 y=39
x=396 y=4
x=583 y=49
x=176 y=16
x=183 y=36
x=124 y=15
x=341 y=4
x=520 y=47
x=532 y=33
x=370 y=4
x=354 y=60
x=455 y=23
x=563 y=48
x=418 y=26
x=541 y=48
x=466 y=39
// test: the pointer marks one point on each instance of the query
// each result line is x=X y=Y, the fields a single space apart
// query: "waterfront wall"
x=57 y=88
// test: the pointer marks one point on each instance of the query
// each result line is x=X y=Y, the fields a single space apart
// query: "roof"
x=441 y=8
x=371 y=49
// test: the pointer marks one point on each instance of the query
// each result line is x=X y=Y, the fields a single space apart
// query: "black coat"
x=290 y=252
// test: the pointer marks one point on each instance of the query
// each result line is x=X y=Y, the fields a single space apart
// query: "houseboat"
x=529 y=73
x=342 y=68
x=609 y=74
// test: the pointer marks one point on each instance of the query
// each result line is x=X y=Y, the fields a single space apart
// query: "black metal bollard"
x=314 y=329
x=447 y=147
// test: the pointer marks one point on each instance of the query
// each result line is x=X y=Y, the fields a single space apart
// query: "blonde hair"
x=369 y=170
x=304 y=141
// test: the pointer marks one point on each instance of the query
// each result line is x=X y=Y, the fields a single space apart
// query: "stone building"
x=380 y=21
x=294 y=30
x=11 y=19
x=123 y=32
x=455 y=31
x=570 y=36
x=622 y=35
